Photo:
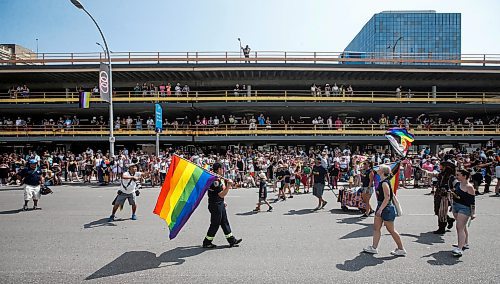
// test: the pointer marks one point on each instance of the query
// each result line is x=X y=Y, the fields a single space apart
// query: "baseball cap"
x=32 y=161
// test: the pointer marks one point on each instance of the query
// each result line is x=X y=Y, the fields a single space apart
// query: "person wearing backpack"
x=385 y=214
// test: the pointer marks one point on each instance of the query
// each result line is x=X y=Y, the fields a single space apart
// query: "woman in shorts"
x=463 y=209
x=385 y=214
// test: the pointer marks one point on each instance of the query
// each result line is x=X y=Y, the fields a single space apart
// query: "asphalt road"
x=70 y=241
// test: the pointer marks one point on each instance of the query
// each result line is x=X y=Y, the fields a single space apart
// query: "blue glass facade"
x=421 y=34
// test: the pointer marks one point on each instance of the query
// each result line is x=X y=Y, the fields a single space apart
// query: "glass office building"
x=408 y=34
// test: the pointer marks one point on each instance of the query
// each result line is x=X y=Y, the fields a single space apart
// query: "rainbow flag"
x=400 y=139
x=394 y=177
x=85 y=99
x=181 y=193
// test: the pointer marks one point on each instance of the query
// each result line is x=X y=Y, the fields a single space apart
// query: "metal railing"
x=196 y=57
x=245 y=130
x=259 y=96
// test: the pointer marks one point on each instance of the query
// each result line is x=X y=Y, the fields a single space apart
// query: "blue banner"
x=159 y=118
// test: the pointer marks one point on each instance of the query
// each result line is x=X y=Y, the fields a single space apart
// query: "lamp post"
x=110 y=88
x=394 y=46
x=240 y=47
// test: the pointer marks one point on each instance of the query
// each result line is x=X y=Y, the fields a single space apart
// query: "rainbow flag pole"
x=181 y=193
x=394 y=177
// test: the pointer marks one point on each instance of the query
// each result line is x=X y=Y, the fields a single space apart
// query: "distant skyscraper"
x=408 y=34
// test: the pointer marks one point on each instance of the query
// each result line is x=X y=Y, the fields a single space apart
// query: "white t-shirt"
x=128 y=186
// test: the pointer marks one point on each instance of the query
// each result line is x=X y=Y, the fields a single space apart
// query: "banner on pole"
x=104 y=82
x=158 y=118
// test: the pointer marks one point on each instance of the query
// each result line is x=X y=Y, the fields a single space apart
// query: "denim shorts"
x=389 y=212
x=462 y=209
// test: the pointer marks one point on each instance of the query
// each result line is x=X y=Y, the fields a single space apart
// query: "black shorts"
x=262 y=192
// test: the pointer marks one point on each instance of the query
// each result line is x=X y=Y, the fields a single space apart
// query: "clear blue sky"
x=215 y=25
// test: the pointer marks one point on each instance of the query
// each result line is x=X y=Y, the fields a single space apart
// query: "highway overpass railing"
x=245 y=130
x=257 y=96
x=200 y=57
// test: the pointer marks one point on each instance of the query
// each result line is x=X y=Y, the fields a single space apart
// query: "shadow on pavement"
x=348 y=212
x=134 y=261
x=249 y=213
x=363 y=260
x=8 y=212
x=11 y=188
x=366 y=231
x=443 y=257
x=428 y=238
x=300 y=212
x=101 y=223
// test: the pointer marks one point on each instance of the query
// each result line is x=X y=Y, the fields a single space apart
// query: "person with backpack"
x=385 y=214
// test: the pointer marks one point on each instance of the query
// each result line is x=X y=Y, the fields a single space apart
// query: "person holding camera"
x=129 y=189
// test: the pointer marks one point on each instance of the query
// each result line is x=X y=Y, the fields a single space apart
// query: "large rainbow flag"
x=394 y=178
x=181 y=193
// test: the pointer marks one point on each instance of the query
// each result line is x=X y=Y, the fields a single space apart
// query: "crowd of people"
x=261 y=121
x=454 y=175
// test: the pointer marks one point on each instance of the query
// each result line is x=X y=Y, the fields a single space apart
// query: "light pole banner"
x=104 y=82
x=159 y=118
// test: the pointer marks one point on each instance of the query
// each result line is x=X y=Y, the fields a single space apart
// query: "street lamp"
x=111 y=136
x=394 y=46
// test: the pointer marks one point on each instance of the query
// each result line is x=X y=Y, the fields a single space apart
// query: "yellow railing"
x=239 y=129
x=199 y=57
x=258 y=96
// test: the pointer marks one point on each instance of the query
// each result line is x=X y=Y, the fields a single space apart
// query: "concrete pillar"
x=434 y=95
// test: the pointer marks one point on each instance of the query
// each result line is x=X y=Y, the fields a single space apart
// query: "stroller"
x=350 y=198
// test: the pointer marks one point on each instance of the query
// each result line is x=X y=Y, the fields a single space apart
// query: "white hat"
x=262 y=176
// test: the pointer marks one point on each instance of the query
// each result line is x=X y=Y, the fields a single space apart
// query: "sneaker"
x=111 y=218
x=324 y=204
x=370 y=250
x=464 y=248
x=364 y=216
x=450 y=223
x=25 y=208
x=270 y=209
x=457 y=252
x=399 y=252
x=291 y=196
x=134 y=217
x=36 y=208
x=256 y=210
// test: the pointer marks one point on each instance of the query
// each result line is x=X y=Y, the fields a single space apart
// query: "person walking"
x=263 y=193
x=367 y=175
x=128 y=191
x=217 y=208
x=385 y=214
x=319 y=174
x=464 y=207
x=31 y=176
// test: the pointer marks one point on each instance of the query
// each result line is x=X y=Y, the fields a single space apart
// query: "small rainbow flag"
x=85 y=99
x=394 y=177
x=181 y=193
x=400 y=139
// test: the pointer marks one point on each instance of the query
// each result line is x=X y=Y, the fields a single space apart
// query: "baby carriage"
x=350 y=198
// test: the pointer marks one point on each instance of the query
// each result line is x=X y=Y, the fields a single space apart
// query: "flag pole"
x=210 y=172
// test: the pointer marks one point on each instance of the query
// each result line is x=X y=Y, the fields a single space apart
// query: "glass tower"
x=408 y=34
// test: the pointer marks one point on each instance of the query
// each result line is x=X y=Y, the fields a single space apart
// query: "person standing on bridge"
x=246 y=52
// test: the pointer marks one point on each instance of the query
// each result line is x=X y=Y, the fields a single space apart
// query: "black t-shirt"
x=280 y=174
x=213 y=192
x=239 y=164
x=31 y=177
x=287 y=176
x=334 y=171
x=319 y=174
x=380 y=191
